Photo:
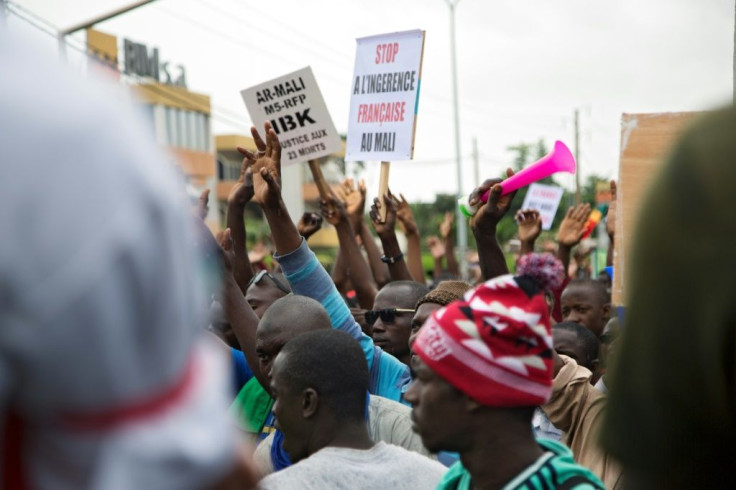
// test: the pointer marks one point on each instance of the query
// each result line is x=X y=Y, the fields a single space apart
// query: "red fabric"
x=495 y=345
x=557 y=292
x=12 y=470
x=138 y=410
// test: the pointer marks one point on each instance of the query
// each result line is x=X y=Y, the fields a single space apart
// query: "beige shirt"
x=388 y=421
x=576 y=408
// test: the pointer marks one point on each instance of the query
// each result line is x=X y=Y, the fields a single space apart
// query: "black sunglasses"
x=387 y=315
x=264 y=273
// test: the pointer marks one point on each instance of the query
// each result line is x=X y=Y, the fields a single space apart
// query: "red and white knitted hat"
x=495 y=345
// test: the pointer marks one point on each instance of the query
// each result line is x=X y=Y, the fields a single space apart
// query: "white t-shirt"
x=383 y=467
x=388 y=421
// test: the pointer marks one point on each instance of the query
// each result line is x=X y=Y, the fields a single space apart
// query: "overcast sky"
x=523 y=65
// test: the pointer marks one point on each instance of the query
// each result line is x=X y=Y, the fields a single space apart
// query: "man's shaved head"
x=294 y=314
x=285 y=319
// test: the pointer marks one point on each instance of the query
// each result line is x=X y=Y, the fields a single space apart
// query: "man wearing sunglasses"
x=393 y=310
x=306 y=277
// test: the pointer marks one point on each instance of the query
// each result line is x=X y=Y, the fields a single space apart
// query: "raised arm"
x=446 y=234
x=571 y=232
x=237 y=310
x=358 y=271
x=305 y=274
x=387 y=233
x=309 y=224
x=437 y=249
x=484 y=223
x=413 y=240
x=530 y=226
x=240 y=195
x=356 y=213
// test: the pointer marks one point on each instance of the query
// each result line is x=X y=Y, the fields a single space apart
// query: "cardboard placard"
x=645 y=142
x=546 y=200
x=385 y=97
x=294 y=105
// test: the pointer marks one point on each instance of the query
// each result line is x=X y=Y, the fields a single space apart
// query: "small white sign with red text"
x=385 y=96
x=546 y=200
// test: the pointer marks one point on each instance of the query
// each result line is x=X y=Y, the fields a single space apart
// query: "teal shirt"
x=556 y=468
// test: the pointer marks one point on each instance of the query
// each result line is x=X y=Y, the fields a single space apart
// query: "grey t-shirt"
x=382 y=467
x=388 y=421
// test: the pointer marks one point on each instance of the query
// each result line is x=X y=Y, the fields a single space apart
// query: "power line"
x=502 y=121
x=229 y=120
x=300 y=45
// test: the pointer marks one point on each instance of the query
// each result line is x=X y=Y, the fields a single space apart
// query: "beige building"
x=179 y=118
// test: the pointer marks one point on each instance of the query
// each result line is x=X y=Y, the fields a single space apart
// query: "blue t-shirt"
x=241 y=370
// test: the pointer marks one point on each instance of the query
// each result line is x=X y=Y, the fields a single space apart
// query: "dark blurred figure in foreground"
x=106 y=380
x=671 y=417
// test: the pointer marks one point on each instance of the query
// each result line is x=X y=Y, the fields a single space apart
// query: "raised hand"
x=612 y=210
x=242 y=192
x=309 y=224
x=406 y=217
x=530 y=224
x=436 y=247
x=446 y=226
x=354 y=199
x=227 y=254
x=491 y=212
x=266 y=164
x=333 y=209
x=388 y=226
x=573 y=226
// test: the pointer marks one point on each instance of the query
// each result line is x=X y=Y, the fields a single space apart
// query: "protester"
x=388 y=421
x=578 y=343
x=586 y=301
x=306 y=276
x=320 y=382
x=413 y=240
x=353 y=264
x=484 y=222
x=576 y=408
x=445 y=293
x=671 y=419
x=385 y=229
x=391 y=317
x=484 y=364
x=107 y=378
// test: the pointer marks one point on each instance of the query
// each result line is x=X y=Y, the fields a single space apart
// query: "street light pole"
x=95 y=20
x=462 y=234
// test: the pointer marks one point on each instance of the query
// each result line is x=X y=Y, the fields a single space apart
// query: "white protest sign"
x=385 y=97
x=545 y=199
x=294 y=105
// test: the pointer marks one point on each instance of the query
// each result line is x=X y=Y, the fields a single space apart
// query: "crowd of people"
x=127 y=329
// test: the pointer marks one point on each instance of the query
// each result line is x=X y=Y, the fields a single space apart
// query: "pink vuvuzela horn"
x=558 y=160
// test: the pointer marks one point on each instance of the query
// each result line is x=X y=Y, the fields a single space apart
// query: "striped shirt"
x=555 y=469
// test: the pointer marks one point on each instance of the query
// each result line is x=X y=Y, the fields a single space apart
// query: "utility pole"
x=734 y=56
x=577 y=157
x=462 y=233
x=476 y=162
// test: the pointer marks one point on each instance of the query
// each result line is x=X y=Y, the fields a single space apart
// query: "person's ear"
x=594 y=364
x=310 y=403
x=607 y=311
